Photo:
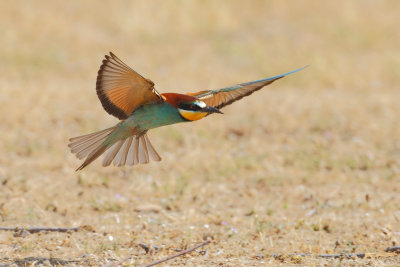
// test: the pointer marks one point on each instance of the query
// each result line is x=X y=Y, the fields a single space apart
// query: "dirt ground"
x=308 y=166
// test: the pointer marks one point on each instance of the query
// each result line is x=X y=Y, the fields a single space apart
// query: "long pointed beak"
x=212 y=110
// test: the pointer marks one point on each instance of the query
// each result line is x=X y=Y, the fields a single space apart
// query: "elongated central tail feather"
x=132 y=150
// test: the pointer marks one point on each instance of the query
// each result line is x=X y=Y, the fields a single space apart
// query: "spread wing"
x=222 y=97
x=121 y=89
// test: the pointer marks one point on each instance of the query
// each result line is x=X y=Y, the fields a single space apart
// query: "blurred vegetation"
x=310 y=164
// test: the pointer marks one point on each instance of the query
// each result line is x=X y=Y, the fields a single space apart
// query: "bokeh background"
x=309 y=164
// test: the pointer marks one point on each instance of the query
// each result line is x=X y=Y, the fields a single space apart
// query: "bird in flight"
x=130 y=97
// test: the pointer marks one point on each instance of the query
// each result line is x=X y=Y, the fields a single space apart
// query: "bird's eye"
x=189 y=106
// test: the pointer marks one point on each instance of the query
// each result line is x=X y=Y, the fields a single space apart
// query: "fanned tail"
x=129 y=151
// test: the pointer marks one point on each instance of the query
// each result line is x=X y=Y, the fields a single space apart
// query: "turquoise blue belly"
x=152 y=116
x=145 y=118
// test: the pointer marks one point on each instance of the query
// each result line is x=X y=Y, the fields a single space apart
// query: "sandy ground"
x=309 y=165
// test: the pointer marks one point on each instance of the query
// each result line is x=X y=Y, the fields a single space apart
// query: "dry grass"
x=310 y=164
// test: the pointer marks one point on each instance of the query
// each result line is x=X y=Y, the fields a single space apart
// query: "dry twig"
x=390 y=252
x=39 y=229
x=166 y=258
x=35 y=261
x=149 y=248
x=393 y=249
x=177 y=255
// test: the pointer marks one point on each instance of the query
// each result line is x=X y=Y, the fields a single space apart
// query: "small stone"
x=311 y=212
x=148 y=208
x=46 y=263
x=385 y=230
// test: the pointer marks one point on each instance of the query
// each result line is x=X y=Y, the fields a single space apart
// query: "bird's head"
x=195 y=110
x=189 y=107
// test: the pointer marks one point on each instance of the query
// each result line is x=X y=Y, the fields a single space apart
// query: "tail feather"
x=143 y=154
x=92 y=156
x=89 y=136
x=130 y=151
x=131 y=158
x=136 y=151
x=120 y=158
x=152 y=152
x=88 y=149
x=112 y=151
x=83 y=145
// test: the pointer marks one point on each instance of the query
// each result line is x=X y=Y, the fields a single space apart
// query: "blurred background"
x=308 y=164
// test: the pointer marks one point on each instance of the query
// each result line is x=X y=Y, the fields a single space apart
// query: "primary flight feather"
x=130 y=97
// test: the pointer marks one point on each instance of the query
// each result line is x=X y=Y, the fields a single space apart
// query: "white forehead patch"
x=201 y=104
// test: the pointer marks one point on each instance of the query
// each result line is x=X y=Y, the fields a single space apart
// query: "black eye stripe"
x=189 y=106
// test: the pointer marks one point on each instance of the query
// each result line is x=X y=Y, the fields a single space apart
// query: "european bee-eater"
x=130 y=97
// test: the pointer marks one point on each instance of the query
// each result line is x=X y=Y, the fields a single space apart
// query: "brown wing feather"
x=220 y=98
x=225 y=96
x=121 y=89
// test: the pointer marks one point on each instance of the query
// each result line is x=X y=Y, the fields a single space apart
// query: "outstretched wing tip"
x=294 y=71
x=226 y=96
x=275 y=77
x=290 y=72
x=299 y=69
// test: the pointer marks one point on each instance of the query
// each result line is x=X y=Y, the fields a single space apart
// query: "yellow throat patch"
x=192 y=115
